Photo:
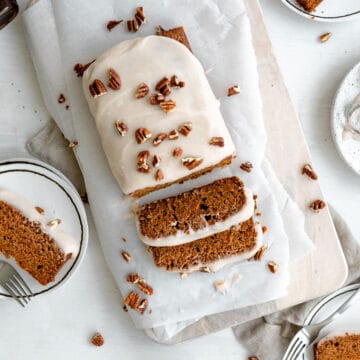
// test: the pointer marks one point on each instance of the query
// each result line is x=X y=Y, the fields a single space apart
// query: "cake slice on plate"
x=34 y=241
x=309 y=5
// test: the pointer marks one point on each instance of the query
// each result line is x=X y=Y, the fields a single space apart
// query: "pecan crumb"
x=142 y=164
x=273 y=266
x=80 y=68
x=39 y=210
x=317 y=205
x=192 y=162
x=142 y=134
x=132 y=25
x=159 y=175
x=309 y=171
x=156 y=98
x=260 y=253
x=185 y=128
x=159 y=139
x=233 y=90
x=143 y=305
x=113 y=23
x=156 y=160
x=121 y=127
x=163 y=82
x=114 y=80
x=133 y=300
x=140 y=16
x=54 y=222
x=133 y=278
x=73 y=144
x=173 y=135
x=97 y=339
x=125 y=308
x=97 y=88
x=217 y=141
x=61 y=99
x=246 y=166
x=325 y=37
x=264 y=229
x=205 y=269
x=258 y=214
x=168 y=105
x=177 y=152
x=126 y=256
x=142 y=91
x=176 y=83
x=145 y=288
x=123 y=239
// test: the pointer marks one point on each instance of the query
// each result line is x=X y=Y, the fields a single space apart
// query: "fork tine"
x=290 y=348
x=17 y=291
x=8 y=289
x=299 y=351
x=18 y=284
x=22 y=281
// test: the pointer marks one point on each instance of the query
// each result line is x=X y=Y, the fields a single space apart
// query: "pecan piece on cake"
x=217 y=141
x=156 y=99
x=159 y=175
x=168 y=105
x=143 y=306
x=176 y=83
x=132 y=25
x=156 y=160
x=142 y=134
x=145 y=287
x=97 y=339
x=126 y=256
x=121 y=127
x=114 y=80
x=97 y=88
x=309 y=171
x=173 y=135
x=185 y=128
x=133 y=300
x=159 y=139
x=192 y=162
x=178 y=151
x=142 y=91
x=246 y=166
x=133 y=278
x=317 y=205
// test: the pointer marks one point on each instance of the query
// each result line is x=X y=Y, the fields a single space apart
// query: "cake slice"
x=195 y=214
x=338 y=347
x=210 y=254
x=158 y=120
x=35 y=242
x=309 y=5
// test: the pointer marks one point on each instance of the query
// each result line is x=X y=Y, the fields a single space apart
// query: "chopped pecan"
x=159 y=139
x=260 y=253
x=163 y=82
x=273 y=266
x=246 y=166
x=133 y=278
x=317 y=205
x=173 y=135
x=168 y=105
x=143 y=306
x=156 y=160
x=97 y=88
x=54 y=222
x=133 y=300
x=159 y=175
x=126 y=256
x=97 y=339
x=39 y=210
x=144 y=168
x=233 y=90
x=264 y=229
x=192 y=162
x=113 y=23
x=142 y=134
x=140 y=16
x=61 y=99
x=73 y=144
x=142 y=157
x=132 y=25
x=121 y=127
x=125 y=308
x=142 y=91
x=178 y=151
x=176 y=83
x=156 y=98
x=123 y=239
x=185 y=128
x=114 y=80
x=145 y=288
x=217 y=141
x=80 y=68
x=309 y=171
x=325 y=37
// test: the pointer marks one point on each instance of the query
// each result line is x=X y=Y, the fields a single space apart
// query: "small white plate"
x=325 y=307
x=46 y=187
x=349 y=149
x=329 y=10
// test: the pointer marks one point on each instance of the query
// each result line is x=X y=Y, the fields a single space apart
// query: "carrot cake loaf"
x=195 y=214
x=339 y=347
x=309 y=5
x=210 y=254
x=35 y=242
x=157 y=117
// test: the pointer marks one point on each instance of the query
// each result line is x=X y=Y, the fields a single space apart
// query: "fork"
x=14 y=284
x=309 y=333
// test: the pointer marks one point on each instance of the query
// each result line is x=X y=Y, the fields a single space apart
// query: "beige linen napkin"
x=269 y=337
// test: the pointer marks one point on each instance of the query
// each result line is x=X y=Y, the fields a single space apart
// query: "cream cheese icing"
x=148 y=60
x=244 y=214
x=64 y=240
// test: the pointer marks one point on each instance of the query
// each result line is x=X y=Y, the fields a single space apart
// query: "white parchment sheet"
x=62 y=33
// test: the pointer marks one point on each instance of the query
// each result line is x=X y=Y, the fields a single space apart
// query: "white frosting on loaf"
x=64 y=240
x=148 y=60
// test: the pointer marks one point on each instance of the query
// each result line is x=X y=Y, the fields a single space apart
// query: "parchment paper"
x=74 y=31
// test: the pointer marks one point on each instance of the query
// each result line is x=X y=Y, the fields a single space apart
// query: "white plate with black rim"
x=328 y=10
x=325 y=307
x=46 y=187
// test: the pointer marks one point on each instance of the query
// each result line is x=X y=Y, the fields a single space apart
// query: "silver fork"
x=309 y=333
x=14 y=284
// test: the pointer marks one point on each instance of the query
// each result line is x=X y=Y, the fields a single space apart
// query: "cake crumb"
x=97 y=339
x=233 y=90
x=264 y=229
x=325 y=37
x=221 y=287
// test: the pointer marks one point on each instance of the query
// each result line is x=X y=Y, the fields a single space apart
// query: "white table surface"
x=59 y=325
